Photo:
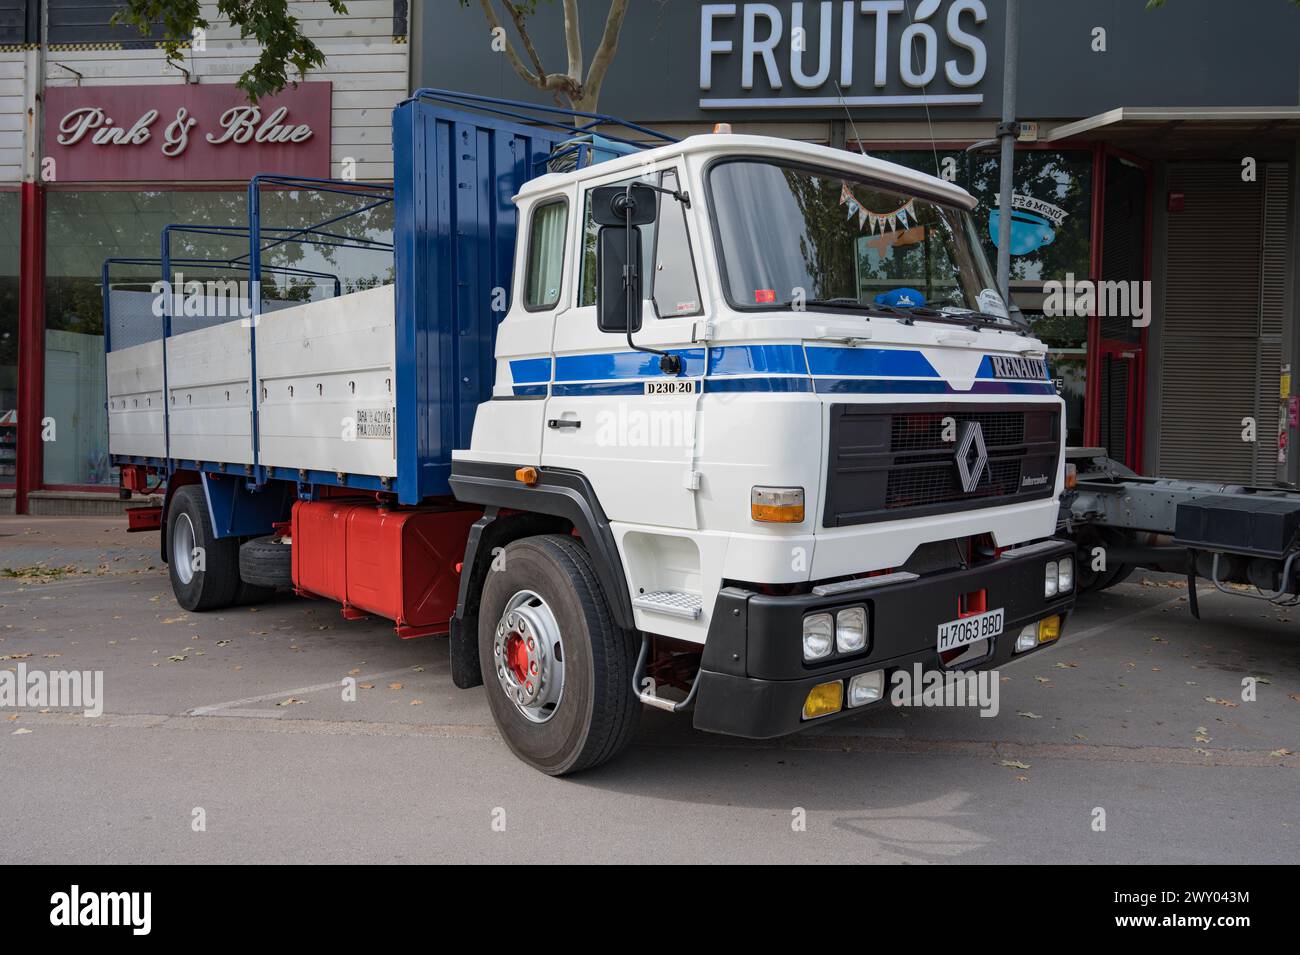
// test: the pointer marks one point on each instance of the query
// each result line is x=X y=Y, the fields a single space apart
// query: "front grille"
x=924 y=430
x=887 y=464
x=920 y=484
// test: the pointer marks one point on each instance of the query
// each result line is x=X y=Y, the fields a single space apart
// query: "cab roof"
x=715 y=145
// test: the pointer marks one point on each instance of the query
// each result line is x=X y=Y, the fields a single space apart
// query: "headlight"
x=818 y=635
x=850 y=630
x=1065 y=574
x=1051 y=579
x=1028 y=638
x=866 y=688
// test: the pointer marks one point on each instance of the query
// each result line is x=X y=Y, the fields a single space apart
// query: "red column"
x=31 y=343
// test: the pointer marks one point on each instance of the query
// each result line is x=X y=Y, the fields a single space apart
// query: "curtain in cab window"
x=546 y=255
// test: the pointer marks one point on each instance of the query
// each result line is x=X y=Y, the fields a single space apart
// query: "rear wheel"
x=557 y=668
x=204 y=569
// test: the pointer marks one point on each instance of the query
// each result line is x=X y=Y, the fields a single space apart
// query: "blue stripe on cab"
x=758 y=384
x=881 y=362
x=599 y=388
x=757 y=359
x=607 y=366
x=530 y=370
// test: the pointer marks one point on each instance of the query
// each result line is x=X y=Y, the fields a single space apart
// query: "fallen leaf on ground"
x=1013 y=764
x=394 y=686
x=21 y=731
x=290 y=701
x=1029 y=716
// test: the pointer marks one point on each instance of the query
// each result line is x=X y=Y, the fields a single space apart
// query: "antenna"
x=925 y=90
x=856 y=138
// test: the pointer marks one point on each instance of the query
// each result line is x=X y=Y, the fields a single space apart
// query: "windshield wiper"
x=904 y=315
x=971 y=318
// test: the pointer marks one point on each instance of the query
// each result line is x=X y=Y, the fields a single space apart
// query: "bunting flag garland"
x=903 y=217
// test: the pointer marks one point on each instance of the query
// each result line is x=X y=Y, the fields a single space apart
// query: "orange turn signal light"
x=776 y=505
x=526 y=475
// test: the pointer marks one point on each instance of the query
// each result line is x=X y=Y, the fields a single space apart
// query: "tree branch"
x=600 y=63
x=533 y=79
x=518 y=17
x=573 y=40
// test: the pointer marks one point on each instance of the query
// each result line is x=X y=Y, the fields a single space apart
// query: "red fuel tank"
x=394 y=563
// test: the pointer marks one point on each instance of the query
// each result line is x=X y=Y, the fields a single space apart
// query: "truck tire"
x=204 y=568
x=266 y=563
x=557 y=668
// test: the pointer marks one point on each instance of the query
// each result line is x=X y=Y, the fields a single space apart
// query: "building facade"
x=1156 y=167
x=102 y=144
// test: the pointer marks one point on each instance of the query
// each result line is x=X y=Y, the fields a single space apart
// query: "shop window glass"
x=83 y=228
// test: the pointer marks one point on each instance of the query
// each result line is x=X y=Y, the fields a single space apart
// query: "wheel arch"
x=561 y=501
x=175 y=481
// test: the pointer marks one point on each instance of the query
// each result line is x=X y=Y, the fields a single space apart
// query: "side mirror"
x=618 y=281
x=610 y=204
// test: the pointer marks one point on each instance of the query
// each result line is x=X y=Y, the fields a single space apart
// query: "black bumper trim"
x=753 y=679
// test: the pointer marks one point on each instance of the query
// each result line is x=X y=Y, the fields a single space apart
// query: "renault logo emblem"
x=972 y=455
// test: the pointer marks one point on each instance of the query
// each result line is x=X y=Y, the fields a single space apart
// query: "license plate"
x=676 y=386
x=966 y=630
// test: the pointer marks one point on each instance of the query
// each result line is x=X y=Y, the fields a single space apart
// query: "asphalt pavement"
x=226 y=737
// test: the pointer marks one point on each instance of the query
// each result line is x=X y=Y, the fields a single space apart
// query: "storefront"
x=128 y=145
x=1154 y=250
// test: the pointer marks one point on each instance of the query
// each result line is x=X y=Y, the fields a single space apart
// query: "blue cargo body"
x=454 y=236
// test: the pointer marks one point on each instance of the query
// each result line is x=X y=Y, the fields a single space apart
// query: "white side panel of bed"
x=327 y=377
x=207 y=381
x=135 y=400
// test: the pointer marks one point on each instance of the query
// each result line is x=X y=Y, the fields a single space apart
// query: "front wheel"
x=557 y=668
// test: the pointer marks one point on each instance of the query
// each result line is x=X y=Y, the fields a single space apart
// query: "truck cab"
x=818 y=446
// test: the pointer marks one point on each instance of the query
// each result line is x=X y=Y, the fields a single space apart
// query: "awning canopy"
x=1188 y=132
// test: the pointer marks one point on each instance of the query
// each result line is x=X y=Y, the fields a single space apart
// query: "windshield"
x=790 y=236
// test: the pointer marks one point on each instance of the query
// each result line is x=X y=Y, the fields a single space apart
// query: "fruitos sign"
x=184 y=132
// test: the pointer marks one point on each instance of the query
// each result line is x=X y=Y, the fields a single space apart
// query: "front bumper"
x=753 y=679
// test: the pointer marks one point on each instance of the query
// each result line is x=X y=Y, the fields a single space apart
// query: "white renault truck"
x=733 y=426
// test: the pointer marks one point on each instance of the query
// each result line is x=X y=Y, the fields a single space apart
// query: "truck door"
x=510 y=425
x=612 y=413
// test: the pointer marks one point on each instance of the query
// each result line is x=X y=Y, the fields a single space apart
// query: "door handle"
x=558 y=423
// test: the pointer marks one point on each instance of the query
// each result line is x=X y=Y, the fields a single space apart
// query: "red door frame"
x=1098 y=346
x=16 y=190
x=31 y=344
